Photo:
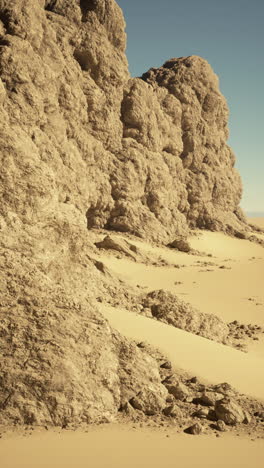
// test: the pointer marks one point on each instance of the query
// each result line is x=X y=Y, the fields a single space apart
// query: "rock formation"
x=82 y=146
x=147 y=156
x=167 y=308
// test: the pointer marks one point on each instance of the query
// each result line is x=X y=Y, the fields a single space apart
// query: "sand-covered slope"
x=222 y=278
x=164 y=443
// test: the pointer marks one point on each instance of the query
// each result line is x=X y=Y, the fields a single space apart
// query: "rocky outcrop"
x=230 y=412
x=213 y=186
x=61 y=363
x=148 y=156
x=83 y=146
x=168 y=308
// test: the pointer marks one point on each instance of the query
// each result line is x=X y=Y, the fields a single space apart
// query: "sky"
x=229 y=34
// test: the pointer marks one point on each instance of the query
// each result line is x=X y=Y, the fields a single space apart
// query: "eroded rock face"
x=213 y=185
x=148 y=156
x=84 y=146
x=61 y=363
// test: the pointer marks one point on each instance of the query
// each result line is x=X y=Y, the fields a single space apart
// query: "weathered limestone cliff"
x=82 y=146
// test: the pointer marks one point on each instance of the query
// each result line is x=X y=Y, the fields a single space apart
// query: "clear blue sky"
x=230 y=35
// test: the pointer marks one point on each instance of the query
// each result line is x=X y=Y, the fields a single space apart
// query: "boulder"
x=220 y=426
x=166 y=365
x=210 y=398
x=167 y=307
x=119 y=245
x=179 y=391
x=201 y=413
x=229 y=411
x=148 y=401
x=172 y=411
x=181 y=244
x=195 y=429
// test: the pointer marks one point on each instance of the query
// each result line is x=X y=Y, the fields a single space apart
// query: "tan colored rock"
x=172 y=411
x=166 y=365
x=201 y=413
x=181 y=244
x=220 y=426
x=83 y=146
x=207 y=160
x=195 y=429
x=166 y=307
x=149 y=400
x=178 y=390
x=210 y=398
x=119 y=245
x=229 y=411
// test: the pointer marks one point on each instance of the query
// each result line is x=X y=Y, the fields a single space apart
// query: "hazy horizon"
x=230 y=36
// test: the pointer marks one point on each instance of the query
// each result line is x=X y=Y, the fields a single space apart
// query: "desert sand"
x=224 y=292
x=122 y=447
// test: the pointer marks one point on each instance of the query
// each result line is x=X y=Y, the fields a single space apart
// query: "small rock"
x=196 y=429
x=201 y=413
x=211 y=415
x=210 y=398
x=166 y=365
x=179 y=391
x=224 y=388
x=168 y=380
x=172 y=411
x=181 y=244
x=194 y=380
x=141 y=345
x=220 y=425
x=240 y=234
x=189 y=399
x=170 y=399
x=136 y=403
x=247 y=418
x=229 y=411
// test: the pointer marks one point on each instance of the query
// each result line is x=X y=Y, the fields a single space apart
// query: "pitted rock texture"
x=82 y=146
x=168 y=308
x=207 y=160
x=148 y=156
x=61 y=363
